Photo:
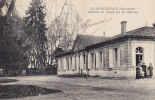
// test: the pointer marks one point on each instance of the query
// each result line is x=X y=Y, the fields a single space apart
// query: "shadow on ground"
x=87 y=76
x=74 y=76
x=19 y=91
x=4 y=80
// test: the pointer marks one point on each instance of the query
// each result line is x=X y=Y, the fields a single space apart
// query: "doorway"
x=139 y=55
x=139 y=58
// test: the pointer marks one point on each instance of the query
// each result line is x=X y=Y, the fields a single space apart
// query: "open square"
x=88 y=88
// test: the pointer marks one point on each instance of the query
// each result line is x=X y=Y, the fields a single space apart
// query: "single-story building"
x=115 y=56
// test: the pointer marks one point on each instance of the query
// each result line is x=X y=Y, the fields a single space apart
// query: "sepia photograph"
x=77 y=50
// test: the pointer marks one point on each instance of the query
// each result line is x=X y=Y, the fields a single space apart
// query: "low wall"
x=114 y=73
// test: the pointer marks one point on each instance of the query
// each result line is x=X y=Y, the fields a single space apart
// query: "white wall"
x=149 y=57
x=149 y=51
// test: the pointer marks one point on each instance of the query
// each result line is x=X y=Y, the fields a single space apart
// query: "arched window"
x=139 y=55
x=139 y=50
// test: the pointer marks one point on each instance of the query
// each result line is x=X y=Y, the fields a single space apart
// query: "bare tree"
x=63 y=30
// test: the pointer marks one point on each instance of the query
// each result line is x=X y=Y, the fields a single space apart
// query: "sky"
x=143 y=13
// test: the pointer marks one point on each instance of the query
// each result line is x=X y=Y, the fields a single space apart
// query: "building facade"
x=115 y=56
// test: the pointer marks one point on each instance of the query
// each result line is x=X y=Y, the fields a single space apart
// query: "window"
x=93 y=60
x=70 y=61
x=86 y=61
x=101 y=59
x=84 y=58
x=67 y=60
x=75 y=61
x=139 y=50
x=100 y=56
x=92 y=57
x=116 y=55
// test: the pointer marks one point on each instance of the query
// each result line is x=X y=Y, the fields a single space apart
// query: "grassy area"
x=19 y=91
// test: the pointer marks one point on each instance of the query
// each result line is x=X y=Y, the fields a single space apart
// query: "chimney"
x=123 y=27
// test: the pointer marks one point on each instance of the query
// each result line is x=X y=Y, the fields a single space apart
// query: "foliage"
x=12 y=51
x=35 y=27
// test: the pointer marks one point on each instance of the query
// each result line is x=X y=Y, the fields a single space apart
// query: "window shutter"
x=89 y=61
x=103 y=60
x=77 y=62
x=118 y=57
x=59 y=64
x=81 y=61
x=111 y=60
x=64 y=64
x=73 y=62
x=98 y=60
x=70 y=62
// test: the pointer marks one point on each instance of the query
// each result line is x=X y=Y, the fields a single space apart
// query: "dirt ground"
x=90 y=88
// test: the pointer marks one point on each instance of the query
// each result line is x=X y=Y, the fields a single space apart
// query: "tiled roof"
x=83 y=41
x=143 y=32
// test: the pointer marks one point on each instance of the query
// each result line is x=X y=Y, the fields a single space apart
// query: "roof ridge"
x=137 y=29
x=92 y=35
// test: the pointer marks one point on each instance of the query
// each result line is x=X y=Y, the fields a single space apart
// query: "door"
x=139 y=58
